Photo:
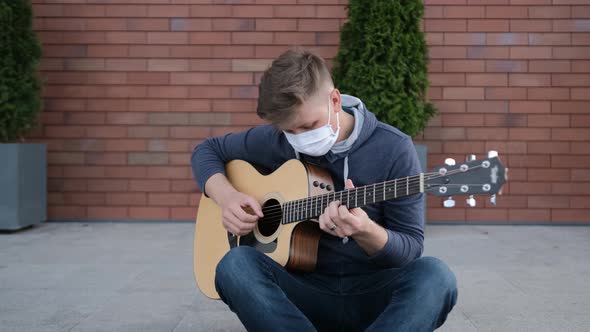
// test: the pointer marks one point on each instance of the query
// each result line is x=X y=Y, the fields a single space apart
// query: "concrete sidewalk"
x=138 y=277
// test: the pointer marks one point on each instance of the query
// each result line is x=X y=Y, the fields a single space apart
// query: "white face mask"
x=316 y=142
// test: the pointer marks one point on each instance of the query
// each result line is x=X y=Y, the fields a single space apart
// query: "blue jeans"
x=266 y=297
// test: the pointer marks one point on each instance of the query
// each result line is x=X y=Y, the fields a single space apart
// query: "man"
x=377 y=281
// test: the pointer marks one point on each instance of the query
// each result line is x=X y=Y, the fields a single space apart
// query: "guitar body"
x=292 y=245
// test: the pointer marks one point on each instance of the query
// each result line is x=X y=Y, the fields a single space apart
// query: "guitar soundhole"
x=272 y=217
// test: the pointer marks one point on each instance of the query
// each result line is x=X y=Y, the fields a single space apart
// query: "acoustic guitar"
x=297 y=192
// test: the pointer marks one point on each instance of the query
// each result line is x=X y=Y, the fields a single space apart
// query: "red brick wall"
x=131 y=87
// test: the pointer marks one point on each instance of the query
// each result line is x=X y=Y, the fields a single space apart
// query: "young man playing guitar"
x=370 y=274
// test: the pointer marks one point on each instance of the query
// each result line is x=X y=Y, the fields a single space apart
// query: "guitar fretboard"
x=314 y=206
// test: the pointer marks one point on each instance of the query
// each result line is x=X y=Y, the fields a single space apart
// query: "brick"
x=464 y=38
x=82 y=37
x=149 y=185
x=126 y=118
x=125 y=145
x=168 y=118
x=505 y=93
x=64 y=50
x=190 y=24
x=318 y=25
x=487 y=106
x=332 y=12
x=169 y=172
x=126 y=64
x=189 y=78
x=463 y=93
x=505 y=120
x=63 y=132
x=183 y=213
x=233 y=24
x=106 y=212
x=85 y=10
x=210 y=92
x=437 y=133
x=506 y=66
x=548 y=120
x=568 y=188
x=488 y=134
x=570 y=80
x=105 y=158
x=580 y=66
x=167 y=38
x=168 y=199
x=487 y=52
x=167 y=92
x=126 y=198
x=84 y=64
x=493 y=214
x=529 y=161
x=571 y=52
x=168 y=11
x=293 y=38
x=160 y=145
x=580 y=38
x=276 y=24
x=580 y=175
x=447 y=52
x=548 y=94
x=210 y=11
x=537 y=52
x=126 y=91
x=548 y=147
x=549 y=66
x=204 y=119
x=548 y=175
x=507 y=12
x=531 y=25
x=242 y=119
x=147 y=24
x=252 y=11
x=60 y=24
x=580 y=120
x=149 y=105
x=509 y=148
x=529 y=80
x=150 y=213
x=536 y=215
x=447 y=79
x=528 y=188
x=235 y=105
x=550 y=39
x=190 y=132
x=580 y=11
x=126 y=11
x=578 y=202
x=82 y=198
x=463 y=11
x=107 y=105
x=446 y=106
x=433 y=38
x=83 y=145
x=66 y=77
x=530 y=134
x=231 y=52
x=488 y=25
x=185 y=51
x=296 y=11
x=444 y=25
x=83 y=172
x=105 y=131
x=549 y=11
x=462 y=120
x=123 y=37
x=210 y=38
x=506 y=39
x=210 y=65
x=65 y=158
x=463 y=147
x=443 y=214
x=570 y=107
x=435 y=66
x=570 y=134
x=569 y=215
x=147 y=158
x=571 y=25
x=107 y=185
x=65 y=212
x=148 y=78
x=530 y=107
x=434 y=11
x=106 y=78
x=105 y=24
x=149 y=51
x=487 y=79
x=433 y=93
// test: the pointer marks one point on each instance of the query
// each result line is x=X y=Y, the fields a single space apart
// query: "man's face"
x=312 y=114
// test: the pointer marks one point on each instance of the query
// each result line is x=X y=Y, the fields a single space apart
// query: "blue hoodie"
x=380 y=153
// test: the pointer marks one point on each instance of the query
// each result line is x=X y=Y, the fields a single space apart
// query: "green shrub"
x=383 y=60
x=20 y=51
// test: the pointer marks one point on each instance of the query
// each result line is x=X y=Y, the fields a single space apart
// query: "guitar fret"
x=394 y=188
x=356 y=196
x=374 y=194
x=384 y=186
x=407 y=185
x=365 y=195
x=348 y=198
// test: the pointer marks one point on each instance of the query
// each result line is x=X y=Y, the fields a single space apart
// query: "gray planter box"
x=23 y=185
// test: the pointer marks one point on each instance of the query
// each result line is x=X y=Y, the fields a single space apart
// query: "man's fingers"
x=243 y=215
x=254 y=205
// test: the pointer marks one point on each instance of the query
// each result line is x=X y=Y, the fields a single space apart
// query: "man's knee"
x=436 y=276
x=238 y=263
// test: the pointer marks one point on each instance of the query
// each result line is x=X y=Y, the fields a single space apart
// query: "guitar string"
x=276 y=209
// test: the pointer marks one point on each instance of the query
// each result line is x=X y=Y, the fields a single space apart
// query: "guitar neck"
x=314 y=206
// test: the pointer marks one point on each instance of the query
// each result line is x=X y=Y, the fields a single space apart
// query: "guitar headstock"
x=485 y=176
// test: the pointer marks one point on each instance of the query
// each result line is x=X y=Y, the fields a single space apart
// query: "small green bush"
x=383 y=60
x=20 y=51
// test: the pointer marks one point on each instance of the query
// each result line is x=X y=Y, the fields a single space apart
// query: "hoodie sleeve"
x=404 y=217
x=253 y=145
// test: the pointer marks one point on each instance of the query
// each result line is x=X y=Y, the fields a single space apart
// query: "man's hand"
x=235 y=218
x=339 y=221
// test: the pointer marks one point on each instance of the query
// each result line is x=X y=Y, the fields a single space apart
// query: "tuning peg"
x=450 y=162
x=492 y=153
x=493 y=199
x=470 y=157
x=449 y=202
x=471 y=202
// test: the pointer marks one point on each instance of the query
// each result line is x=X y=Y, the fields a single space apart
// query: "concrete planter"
x=23 y=185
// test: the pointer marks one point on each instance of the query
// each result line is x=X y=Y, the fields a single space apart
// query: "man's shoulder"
x=389 y=134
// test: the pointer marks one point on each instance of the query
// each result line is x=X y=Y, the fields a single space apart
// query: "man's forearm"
x=218 y=187
x=373 y=239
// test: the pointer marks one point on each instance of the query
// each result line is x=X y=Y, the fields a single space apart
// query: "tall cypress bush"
x=20 y=51
x=383 y=60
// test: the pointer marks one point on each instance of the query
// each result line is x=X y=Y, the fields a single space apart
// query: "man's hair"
x=292 y=78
